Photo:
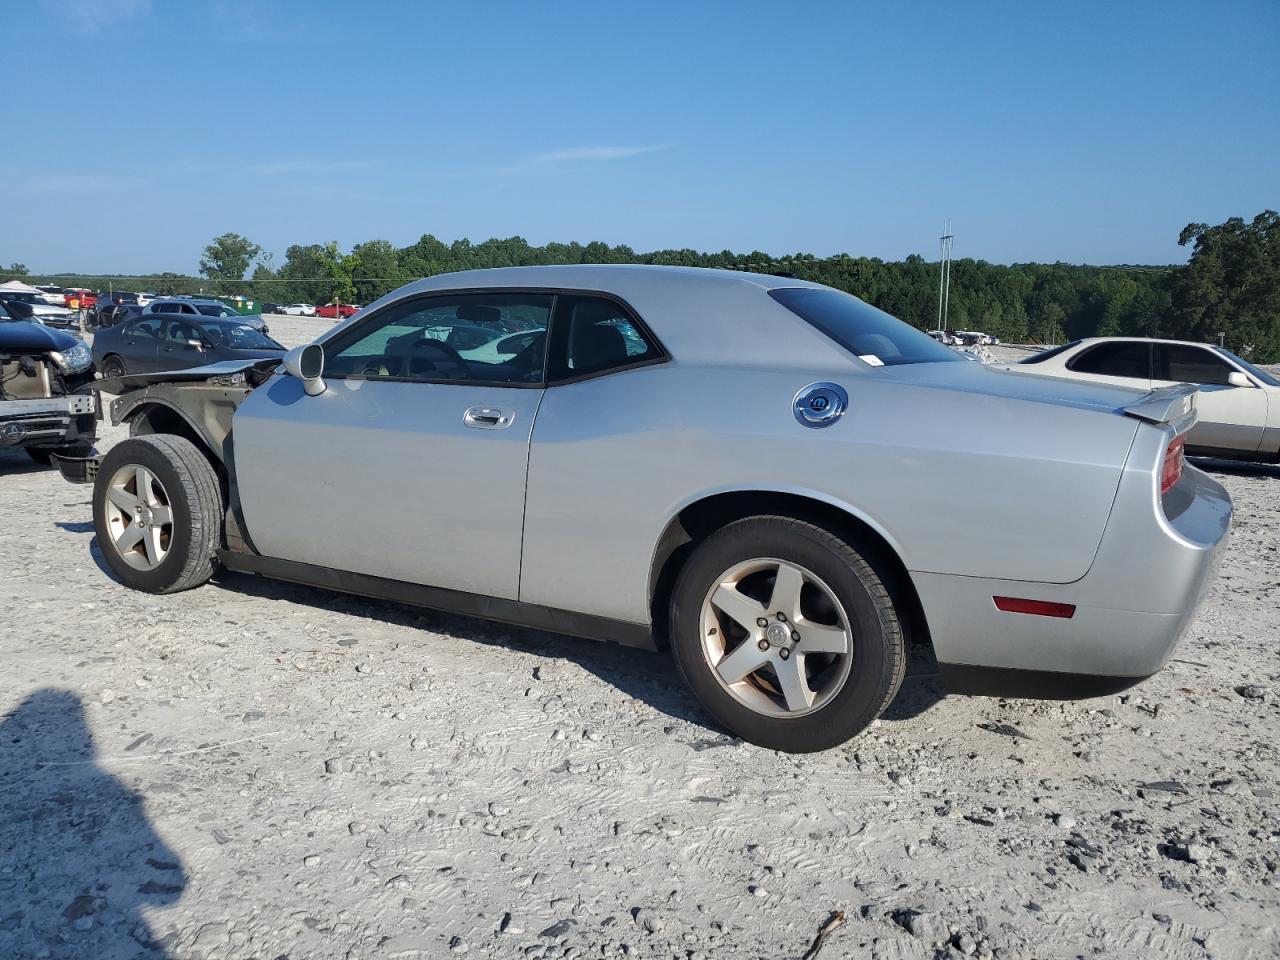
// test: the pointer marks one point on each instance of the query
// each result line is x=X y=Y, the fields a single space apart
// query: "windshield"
x=865 y=331
x=1267 y=378
x=5 y=314
x=239 y=336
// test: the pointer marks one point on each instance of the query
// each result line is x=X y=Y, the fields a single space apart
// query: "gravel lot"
x=253 y=769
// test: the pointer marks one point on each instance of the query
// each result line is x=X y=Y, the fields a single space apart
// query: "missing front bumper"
x=77 y=469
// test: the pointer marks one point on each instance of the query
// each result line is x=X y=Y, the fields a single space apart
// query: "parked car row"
x=964 y=338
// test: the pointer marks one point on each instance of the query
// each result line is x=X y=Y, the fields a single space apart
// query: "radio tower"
x=944 y=272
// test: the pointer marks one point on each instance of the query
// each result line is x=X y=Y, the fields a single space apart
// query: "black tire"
x=195 y=497
x=113 y=366
x=878 y=651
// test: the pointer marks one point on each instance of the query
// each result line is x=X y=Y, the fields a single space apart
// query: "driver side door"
x=411 y=465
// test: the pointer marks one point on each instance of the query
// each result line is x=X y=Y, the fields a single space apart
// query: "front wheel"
x=786 y=634
x=112 y=366
x=157 y=512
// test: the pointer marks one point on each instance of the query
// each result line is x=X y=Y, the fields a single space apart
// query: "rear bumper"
x=48 y=422
x=1154 y=564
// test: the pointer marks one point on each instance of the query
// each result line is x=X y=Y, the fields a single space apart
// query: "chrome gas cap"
x=820 y=404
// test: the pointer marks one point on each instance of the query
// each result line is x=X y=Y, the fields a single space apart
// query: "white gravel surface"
x=253 y=769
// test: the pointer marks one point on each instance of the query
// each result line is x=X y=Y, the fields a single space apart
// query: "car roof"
x=1089 y=341
x=602 y=276
x=701 y=315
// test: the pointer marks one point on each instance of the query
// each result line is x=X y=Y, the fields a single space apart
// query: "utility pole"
x=944 y=273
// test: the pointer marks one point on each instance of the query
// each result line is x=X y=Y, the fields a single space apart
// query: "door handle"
x=488 y=418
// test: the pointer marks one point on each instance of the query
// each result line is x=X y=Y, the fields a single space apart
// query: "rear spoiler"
x=1174 y=405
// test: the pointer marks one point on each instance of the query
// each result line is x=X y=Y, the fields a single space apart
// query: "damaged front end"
x=198 y=403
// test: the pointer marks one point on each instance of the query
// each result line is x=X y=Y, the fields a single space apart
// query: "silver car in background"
x=758 y=472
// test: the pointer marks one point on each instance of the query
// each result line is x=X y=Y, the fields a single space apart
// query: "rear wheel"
x=113 y=366
x=157 y=512
x=786 y=634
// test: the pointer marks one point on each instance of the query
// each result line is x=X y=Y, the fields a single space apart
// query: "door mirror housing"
x=1238 y=379
x=197 y=344
x=307 y=364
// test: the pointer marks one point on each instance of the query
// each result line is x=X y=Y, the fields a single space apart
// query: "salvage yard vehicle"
x=757 y=471
x=152 y=342
x=1238 y=405
x=200 y=307
x=299 y=310
x=40 y=370
x=40 y=309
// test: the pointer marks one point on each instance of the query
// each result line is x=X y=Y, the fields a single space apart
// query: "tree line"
x=1229 y=288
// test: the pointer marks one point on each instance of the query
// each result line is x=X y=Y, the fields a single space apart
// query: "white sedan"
x=300 y=310
x=1238 y=403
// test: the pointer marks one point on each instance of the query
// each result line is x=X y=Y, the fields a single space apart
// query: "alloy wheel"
x=776 y=637
x=139 y=517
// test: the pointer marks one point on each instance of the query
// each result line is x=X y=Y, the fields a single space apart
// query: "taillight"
x=1171 y=472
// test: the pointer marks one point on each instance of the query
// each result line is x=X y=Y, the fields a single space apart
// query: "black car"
x=40 y=370
x=152 y=342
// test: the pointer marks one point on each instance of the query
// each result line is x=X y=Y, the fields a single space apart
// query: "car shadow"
x=14 y=460
x=1237 y=468
x=81 y=859
x=642 y=674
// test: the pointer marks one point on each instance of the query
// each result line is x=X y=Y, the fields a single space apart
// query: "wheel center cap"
x=144 y=515
x=778 y=634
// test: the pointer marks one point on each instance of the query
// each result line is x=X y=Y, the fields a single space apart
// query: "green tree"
x=1231 y=286
x=15 y=270
x=228 y=257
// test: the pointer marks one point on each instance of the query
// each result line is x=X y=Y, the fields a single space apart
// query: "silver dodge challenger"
x=779 y=483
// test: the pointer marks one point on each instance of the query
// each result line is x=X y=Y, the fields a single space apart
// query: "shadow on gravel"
x=80 y=858
x=14 y=460
x=920 y=688
x=1237 y=468
x=646 y=676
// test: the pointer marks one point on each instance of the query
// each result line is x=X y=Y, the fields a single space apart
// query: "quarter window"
x=594 y=335
x=462 y=338
x=1188 y=364
x=1123 y=358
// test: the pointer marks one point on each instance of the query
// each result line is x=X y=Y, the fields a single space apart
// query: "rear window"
x=862 y=329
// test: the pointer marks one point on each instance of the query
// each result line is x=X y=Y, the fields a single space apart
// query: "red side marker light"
x=1037 y=608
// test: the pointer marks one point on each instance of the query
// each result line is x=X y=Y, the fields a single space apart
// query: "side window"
x=1188 y=364
x=179 y=331
x=1126 y=358
x=143 y=328
x=447 y=338
x=593 y=335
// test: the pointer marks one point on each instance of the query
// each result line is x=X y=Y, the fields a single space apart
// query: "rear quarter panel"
x=957 y=482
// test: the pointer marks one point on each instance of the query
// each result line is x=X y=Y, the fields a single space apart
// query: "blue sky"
x=1084 y=132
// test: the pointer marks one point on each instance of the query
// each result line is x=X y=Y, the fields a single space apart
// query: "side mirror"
x=1238 y=379
x=197 y=344
x=307 y=364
